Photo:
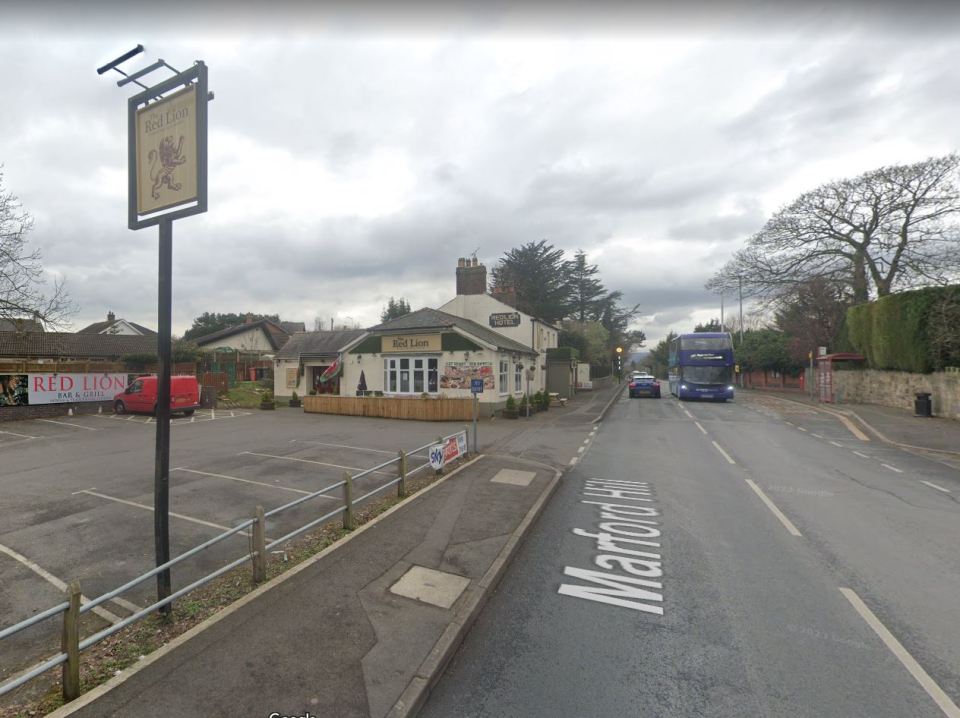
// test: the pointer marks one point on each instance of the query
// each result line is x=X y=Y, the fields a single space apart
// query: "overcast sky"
x=356 y=155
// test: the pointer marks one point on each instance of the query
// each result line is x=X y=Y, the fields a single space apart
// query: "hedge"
x=894 y=332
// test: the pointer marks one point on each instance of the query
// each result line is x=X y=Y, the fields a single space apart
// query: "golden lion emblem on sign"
x=169 y=157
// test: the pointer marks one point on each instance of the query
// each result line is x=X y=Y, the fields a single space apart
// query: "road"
x=793 y=569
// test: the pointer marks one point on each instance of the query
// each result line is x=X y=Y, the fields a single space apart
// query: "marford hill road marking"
x=626 y=524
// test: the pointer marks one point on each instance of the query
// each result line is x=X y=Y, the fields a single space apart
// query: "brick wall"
x=898 y=388
x=47 y=411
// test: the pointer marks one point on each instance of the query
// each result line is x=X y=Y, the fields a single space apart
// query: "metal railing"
x=72 y=609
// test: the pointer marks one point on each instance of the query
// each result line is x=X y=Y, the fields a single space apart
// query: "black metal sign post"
x=166 y=169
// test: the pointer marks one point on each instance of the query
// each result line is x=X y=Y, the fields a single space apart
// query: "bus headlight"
x=683 y=386
x=729 y=388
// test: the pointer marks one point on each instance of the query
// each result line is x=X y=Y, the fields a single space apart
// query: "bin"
x=922 y=406
x=208 y=397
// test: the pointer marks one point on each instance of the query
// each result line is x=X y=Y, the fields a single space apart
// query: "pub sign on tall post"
x=166 y=180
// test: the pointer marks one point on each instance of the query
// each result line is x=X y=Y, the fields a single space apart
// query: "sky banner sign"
x=55 y=388
x=452 y=448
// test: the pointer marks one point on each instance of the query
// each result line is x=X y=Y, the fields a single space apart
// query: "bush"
x=294 y=396
x=266 y=397
x=511 y=404
x=903 y=331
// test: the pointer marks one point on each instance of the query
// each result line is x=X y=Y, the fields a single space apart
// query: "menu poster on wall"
x=457 y=375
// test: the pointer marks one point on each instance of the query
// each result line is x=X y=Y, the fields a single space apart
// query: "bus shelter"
x=826 y=391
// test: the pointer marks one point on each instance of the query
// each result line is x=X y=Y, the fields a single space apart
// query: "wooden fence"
x=391 y=407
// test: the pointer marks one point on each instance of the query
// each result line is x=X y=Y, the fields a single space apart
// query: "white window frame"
x=393 y=374
x=504 y=373
x=518 y=377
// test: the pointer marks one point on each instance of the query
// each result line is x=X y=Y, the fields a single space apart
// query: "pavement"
x=891 y=425
x=366 y=627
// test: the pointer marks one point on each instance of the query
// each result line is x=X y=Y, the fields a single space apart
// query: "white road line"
x=892 y=468
x=124 y=603
x=801 y=428
x=789 y=423
x=587 y=440
x=702 y=430
x=580 y=449
x=787 y=523
x=688 y=413
x=150 y=508
x=725 y=454
x=816 y=435
x=944 y=701
x=573 y=461
x=67 y=423
x=343 y=446
x=934 y=486
x=22 y=436
x=862 y=456
x=309 y=461
x=54 y=581
x=837 y=444
x=245 y=481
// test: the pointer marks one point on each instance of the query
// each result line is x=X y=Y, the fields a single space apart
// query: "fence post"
x=348 y=500
x=260 y=547
x=70 y=643
x=402 y=483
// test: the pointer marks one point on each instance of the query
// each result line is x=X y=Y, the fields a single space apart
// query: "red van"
x=141 y=395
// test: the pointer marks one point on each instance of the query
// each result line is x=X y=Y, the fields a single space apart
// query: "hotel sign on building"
x=505 y=319
x=393 y=344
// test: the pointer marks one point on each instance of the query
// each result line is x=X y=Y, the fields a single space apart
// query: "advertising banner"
x=452 y=448
x=56 y=388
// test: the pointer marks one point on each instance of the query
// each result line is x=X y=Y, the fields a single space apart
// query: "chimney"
x=111 y=316
x=248 y=319
x=471 y=276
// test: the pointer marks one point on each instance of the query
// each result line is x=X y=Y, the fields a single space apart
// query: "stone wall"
x=898 y=388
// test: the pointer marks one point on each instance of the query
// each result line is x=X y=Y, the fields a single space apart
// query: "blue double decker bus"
x=701 y=366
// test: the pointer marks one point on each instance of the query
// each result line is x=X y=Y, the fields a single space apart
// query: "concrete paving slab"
x=514 y=477
x=437 y=588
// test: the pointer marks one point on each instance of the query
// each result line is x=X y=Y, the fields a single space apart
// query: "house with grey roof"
x=64 y=346
x=112 y=325
x=302 y=362
x=261 y=337
x=430 y=353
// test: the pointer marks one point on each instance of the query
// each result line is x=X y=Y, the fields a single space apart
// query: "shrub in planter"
x=294 y=400
x=544 y=400
x=266 y=400
x=510 y=410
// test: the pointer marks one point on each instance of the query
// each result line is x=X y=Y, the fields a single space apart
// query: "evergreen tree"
x=394 y=309
x=536 y=273
x=585 y=290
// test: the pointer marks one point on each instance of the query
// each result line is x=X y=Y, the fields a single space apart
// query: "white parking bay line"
x=54 y=581
x=816 y=435
x=343 y=446
x=892 y=468
x=801 y=428
x=837 y=444
x=862 y=456
x=944 y=701
x=702 y=430
x=688 y=413
x=934 y=486
x=725 y=454
x=150 y=508
x=787 y=523
x=67 y=423
x=245 y=481
x=22 y=436
x=310 y=461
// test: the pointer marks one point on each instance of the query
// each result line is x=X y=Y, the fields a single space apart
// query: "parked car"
x=141 y=395
x=644 y=385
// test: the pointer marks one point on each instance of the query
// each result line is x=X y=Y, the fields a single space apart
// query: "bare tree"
x=22 y=282
x=885 y=230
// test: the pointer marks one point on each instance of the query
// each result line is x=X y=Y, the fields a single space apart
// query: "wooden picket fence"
x=389 y=407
